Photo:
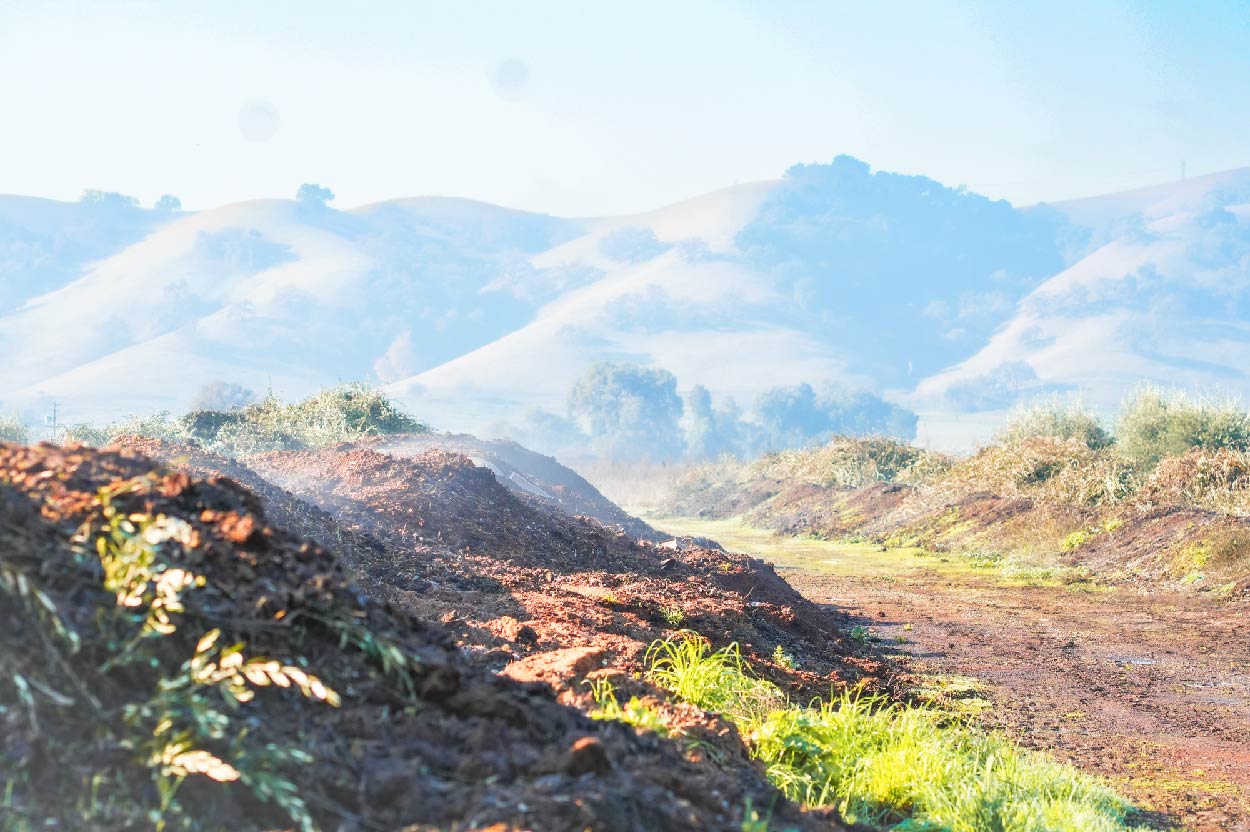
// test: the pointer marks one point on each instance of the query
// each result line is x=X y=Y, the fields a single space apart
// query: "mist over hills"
x=934 y=298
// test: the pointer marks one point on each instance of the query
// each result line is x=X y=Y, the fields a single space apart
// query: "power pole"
x=54 y=425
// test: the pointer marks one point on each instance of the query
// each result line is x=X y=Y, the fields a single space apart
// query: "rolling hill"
x=937 y=298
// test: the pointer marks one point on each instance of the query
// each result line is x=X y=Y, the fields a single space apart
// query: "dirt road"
x=1150 y=691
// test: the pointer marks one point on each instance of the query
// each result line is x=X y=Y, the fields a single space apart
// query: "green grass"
x=874 y=561
x=904 y=768
x=635 y=712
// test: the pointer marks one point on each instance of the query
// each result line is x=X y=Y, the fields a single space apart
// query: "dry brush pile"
x=1135 y=503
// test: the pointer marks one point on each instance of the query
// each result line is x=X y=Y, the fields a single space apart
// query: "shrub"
x=339 y=414
x=1217 y=480
x=847 y=462
x=1055 y=418
x=1060 y=470
x=87 y=435
x=12 y=429
x=159 y=425
x=1155 y=424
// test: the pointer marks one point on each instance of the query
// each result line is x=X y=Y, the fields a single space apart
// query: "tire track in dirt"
x=1152 y=692
x=1149 y=690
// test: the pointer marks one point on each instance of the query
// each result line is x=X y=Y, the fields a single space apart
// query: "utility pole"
x=54 y=425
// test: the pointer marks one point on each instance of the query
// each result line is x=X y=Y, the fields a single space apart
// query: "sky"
x=579 y=109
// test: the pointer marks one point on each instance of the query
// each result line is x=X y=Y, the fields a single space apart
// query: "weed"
x=174 y=720
x=673 y=615
x=635 y=712
x=339 y=414
x=752 y=820
x=1055 y=418
x=783 y=659
x=860 y=633
x=1155 y=424
x=609 y=599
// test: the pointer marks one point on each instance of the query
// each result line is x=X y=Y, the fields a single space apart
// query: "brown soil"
x=475 y=747
x=1152 y=691
x=514 y=606
x=462 y=548
x=525 y=473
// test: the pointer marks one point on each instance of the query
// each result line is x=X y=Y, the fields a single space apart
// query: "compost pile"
x=462 y=548
x=525 y=472
x=171 y=656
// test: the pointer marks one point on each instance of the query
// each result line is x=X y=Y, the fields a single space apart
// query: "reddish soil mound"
x=464 y=549
x=282 y=507
x=526 y=473
x=461 y=746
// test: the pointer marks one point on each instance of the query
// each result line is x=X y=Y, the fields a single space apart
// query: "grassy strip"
x=904 y=768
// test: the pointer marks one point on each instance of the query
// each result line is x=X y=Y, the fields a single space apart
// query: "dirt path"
x=1152 y=692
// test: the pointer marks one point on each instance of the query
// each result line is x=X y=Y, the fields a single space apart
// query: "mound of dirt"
x=467 y=551
x=424 y=738
x=526 y=473
x=358 y=551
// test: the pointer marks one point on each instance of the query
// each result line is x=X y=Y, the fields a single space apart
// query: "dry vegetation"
x=1170 y=477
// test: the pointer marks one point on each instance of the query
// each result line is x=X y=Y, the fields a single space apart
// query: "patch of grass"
x=1077 y=539
x=886 y=765
x=635 y=712
x=961 y=695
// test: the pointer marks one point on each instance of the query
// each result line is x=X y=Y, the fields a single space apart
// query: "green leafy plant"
x=783 y=659
x=1077 y=539
x=635 y=712
x=149 y=709
x=673 y=615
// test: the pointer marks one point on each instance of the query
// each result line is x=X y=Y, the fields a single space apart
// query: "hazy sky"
x=596 y=107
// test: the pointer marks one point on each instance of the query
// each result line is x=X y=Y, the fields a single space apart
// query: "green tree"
x=629 y=411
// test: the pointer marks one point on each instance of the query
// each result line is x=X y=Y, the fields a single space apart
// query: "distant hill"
x=937 y=298
x=1162 y=297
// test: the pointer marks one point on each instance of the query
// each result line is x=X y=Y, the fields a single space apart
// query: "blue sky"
x=593 y=108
